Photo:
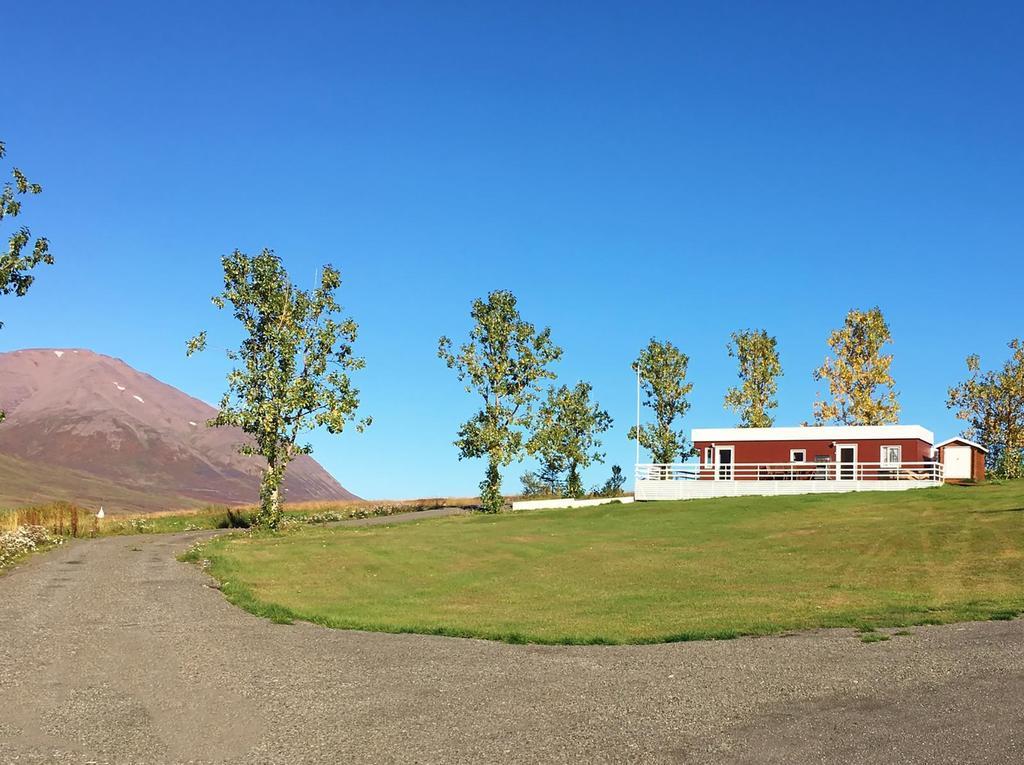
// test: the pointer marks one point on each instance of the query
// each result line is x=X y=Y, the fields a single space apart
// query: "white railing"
x=792 y=471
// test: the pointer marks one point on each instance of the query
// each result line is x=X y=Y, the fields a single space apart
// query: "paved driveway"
x=112 y=651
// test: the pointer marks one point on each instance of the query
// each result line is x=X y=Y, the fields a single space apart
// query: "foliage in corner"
x=759 y=369
x=566 y=433
x=292 y=367
x=16 y=263
x=992 y=405
x=663 y=380
x=856 y=372
x=504 y=362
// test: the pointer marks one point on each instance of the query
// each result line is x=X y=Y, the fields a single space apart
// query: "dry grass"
x=68 y=520
x=319 y=506
x=62 y=519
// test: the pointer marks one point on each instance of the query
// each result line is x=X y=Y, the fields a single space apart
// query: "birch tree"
x=22 y=254
x=860 y=384
x=504 y=362
x=992 y=405
x=568 y=432
x=663 y=381
x=293 y=365
x=759 y=369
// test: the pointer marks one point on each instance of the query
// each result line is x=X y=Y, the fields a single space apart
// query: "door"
x=956 y=462
x=724 y=460
x=846 y=456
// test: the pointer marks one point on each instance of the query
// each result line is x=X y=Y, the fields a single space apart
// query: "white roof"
x=955 y=439
x=814 y=433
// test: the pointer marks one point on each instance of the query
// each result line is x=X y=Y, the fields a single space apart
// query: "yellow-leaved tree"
x=859 y=381
x=759 y=371
x=992 y=405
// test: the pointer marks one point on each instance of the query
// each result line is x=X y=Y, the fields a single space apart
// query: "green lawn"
x=650 y=572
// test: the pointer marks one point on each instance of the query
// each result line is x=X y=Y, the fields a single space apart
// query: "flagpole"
x=637 y=414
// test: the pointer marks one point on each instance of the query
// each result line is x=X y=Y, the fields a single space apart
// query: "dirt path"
x=112 y=651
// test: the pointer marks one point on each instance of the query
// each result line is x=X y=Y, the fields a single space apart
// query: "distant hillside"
x=88 y=427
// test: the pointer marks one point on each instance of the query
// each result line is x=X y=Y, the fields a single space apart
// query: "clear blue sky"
x=679 y=170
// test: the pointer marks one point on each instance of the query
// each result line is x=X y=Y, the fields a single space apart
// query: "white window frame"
x=709 y=455
x=794 y=452
x=853 y=466
x=888 y=464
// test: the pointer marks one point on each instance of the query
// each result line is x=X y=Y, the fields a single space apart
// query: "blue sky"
x=679 y=170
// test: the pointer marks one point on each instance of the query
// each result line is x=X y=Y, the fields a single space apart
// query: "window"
x=708 y=452
x=892 y=456
x=798 y=455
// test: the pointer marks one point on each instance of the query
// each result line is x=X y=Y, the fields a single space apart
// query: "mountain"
x=90 y=424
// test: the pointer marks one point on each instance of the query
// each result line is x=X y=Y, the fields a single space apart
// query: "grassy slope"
x=651 y=572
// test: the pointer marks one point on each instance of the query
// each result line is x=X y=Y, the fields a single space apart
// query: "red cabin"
x=831 y=452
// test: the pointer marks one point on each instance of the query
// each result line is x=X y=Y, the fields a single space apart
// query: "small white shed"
x=962 y=460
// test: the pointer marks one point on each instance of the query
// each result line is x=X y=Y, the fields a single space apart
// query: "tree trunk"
x=490 y=487
x=269 y=515
x=574 y=486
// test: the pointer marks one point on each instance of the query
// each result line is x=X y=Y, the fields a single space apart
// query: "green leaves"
x=759 y=370
x=566 y=433
x=293 y=365
x=504 y=361
x=857 y=371
x=16 y=261
x=663 y=380
x=992 y=405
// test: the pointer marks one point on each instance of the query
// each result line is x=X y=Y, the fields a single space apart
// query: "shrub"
x=22 y=541
x=613 y=486
x=235 y=519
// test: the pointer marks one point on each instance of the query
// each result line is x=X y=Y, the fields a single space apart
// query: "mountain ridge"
x=78 y=410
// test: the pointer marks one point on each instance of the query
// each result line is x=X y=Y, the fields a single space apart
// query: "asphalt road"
x=112 y=651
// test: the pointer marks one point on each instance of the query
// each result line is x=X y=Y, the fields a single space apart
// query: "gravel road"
x=112 y=651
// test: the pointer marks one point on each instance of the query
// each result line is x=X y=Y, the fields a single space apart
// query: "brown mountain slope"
x=92 y=414
x=23 y=484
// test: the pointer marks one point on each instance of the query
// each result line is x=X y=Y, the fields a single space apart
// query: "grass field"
x=650 y=572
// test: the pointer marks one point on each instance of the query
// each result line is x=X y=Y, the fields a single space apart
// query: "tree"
x=547 y=481
x=505 y=361
x=613 y=486
x=567 y=430
x=759 y=370
x=663 y=380
x=16 y=263
x=992 y=405
x=292 y=366
x=857 y=371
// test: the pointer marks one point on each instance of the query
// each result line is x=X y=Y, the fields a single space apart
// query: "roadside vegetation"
x=35 y=529
x=652 y=572
x=19 y=542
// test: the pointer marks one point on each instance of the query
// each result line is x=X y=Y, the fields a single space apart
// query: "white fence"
x=695 y=480
x=538 y=504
